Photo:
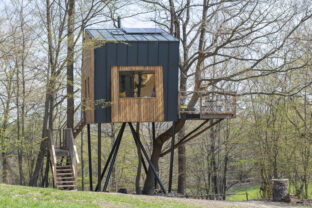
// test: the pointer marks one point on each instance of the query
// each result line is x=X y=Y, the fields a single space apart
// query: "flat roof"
x=131 y=34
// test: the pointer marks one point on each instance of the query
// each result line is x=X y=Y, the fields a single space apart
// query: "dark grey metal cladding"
x=136 y=53
x=163 y=57
x=173 y=76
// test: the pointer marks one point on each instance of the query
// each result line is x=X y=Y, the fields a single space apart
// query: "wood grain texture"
x=142 y=109
x=87 y=80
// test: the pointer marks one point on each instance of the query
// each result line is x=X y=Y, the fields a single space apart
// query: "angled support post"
x=135 y=136
x=118 y=140
x=89 y=154
x=99 y=155
x=171 y=157
x=108 y=159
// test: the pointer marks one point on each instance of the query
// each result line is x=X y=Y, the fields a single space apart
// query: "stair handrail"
x=71 y=145
x=51 y=145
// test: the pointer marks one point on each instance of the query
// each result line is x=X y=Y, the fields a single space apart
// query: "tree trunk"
x=224 y=181
x=70 y=64
x=213 y=159
x=45 y=179
x=150 y=178
x=43 y=145
x=48 y=103
x=157 y=147
x=3 y=128
x=19 y=141
x=5 y=168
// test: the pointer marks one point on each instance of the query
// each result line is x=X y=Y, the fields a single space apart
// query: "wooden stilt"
x=109 y=158
x=99 y=155
x=90 y=159
x=171 y=157
x=114 y=156
x=154 y=138
x=82 y=162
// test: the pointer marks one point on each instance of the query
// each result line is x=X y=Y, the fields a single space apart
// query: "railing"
x=64 y=140
x=216 y=196
x=58 y=137
x=70 y=144
x=209 y=103
x=51 y=145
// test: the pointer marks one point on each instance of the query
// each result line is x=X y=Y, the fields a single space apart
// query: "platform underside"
x=205 y=116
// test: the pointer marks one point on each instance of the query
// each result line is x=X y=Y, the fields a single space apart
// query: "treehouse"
x=130 y=75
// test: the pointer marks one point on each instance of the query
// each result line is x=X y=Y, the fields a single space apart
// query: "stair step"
x=66 y=186
x=63 y=167
x=63 y=174
x=65 y=178
x=65 y=182
x=64 y=171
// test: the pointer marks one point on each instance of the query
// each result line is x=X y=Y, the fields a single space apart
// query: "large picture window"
x=137 y=84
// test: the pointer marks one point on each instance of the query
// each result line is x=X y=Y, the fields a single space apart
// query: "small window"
x=137 y=84
x=88 y=88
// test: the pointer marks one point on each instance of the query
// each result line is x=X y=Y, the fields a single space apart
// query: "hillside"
x=22 y=196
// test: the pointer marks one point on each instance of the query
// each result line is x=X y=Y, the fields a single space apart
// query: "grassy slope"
x=253 y=193
x=22 y=196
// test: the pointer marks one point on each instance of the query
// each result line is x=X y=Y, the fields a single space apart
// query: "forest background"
x=260 y=49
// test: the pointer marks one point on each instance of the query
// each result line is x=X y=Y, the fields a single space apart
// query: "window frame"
x=136 y=72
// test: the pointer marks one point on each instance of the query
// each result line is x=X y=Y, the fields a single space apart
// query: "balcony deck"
x=210 y=105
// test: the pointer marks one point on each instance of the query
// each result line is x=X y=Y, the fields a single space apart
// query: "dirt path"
x=227 y=204
x=231 y=204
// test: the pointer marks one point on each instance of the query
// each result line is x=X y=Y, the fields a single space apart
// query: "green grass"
x=23 y=196
x=253 y=193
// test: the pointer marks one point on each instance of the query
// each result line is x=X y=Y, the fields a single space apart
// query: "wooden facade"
x=87 y=82
x=107 y=51
x=137 y=109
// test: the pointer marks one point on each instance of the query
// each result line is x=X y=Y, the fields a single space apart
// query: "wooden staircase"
x=64 y=159
x=79 y=127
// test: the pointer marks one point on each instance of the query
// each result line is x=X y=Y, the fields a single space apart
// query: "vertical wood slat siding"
x=137 y=109
x=87 y=75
